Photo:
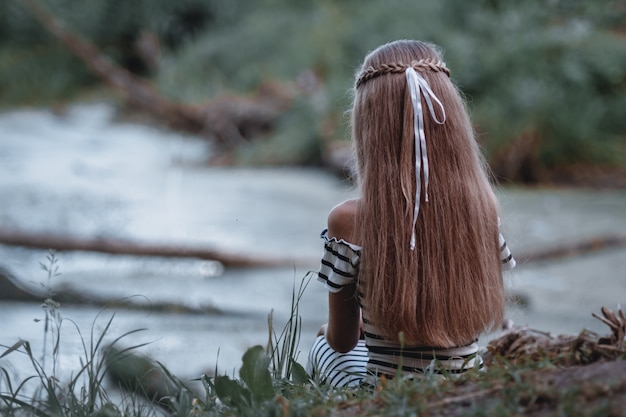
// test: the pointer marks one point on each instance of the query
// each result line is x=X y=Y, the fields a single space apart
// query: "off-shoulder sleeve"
x=506 y=257
x=340 y=263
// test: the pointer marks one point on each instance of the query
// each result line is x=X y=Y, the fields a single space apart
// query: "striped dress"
x=374 y=356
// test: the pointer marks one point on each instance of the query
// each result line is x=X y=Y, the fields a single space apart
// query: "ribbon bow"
x=417 y=84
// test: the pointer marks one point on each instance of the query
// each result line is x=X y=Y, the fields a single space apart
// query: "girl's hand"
x=322 y=330
x=361 y=327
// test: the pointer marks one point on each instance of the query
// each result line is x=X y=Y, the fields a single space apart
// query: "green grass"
x=271 y=382
x=43 y=393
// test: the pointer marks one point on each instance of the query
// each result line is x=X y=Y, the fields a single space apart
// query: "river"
x=83 y=172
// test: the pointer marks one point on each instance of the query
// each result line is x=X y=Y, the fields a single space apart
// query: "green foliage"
x=35 y=69
x=554 y=71
x=283 y=348
x=255 y=386
x=265 y=375
x=296 y=139
x=40 y=75
x=561 y=80
x=255 y=374
x=44 y=393
x=272 y=383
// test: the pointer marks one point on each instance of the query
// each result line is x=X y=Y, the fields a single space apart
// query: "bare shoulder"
x=341 y=221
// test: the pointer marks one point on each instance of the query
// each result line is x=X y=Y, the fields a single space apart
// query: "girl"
x=414 y=265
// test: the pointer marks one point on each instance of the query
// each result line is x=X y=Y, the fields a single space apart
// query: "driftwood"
x=228 y=119
x=124 y=247
x=521 y=345
x=569 y=249
x=12 y=289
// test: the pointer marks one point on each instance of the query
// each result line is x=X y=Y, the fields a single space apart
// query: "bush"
x=545 y=82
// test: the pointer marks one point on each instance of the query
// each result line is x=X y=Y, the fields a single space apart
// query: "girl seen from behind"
x=414 y=264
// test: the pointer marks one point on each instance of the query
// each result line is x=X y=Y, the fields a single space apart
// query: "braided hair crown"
x=425 y=64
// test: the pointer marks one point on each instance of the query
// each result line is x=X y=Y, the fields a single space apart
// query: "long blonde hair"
x=449 y=289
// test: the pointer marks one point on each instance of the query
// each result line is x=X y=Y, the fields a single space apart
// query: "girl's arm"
x=344 y=320
x=344 y=314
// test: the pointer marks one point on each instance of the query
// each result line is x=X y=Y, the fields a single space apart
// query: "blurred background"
x=182 y=157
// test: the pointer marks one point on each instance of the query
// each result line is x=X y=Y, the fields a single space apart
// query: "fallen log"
x=228 y=119
x=520 y=344
x=125 y=247
x=12 y=289
x=569 y=249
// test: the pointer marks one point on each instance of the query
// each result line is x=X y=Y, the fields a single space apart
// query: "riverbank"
x=86 y=174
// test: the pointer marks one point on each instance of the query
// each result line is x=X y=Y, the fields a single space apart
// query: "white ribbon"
x=417 y=83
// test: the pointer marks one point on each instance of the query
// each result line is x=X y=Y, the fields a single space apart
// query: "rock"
x=11 y=289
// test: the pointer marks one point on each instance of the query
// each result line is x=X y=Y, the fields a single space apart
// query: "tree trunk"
x=228 y=119
x=124 y=247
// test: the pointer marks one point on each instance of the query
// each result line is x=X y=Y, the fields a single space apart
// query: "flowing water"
x=86 y=174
